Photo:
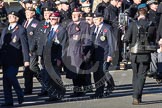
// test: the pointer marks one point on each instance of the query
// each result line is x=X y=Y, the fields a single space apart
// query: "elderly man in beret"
x=78 y=42
x=30 y=25
x=52 y=53
x=14 y=53
x=40 y=39
x=103 y=50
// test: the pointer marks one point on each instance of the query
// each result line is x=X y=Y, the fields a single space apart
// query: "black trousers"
x=10 y=80
x=99 y=79
x=52 y=88
x=78 y=82
x=139 y=77
x=31 y=71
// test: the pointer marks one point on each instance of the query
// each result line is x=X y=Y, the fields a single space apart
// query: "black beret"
x=97 y=15
x=89 y=15
x=30 y=9
x=14 y=13
x=48 y=9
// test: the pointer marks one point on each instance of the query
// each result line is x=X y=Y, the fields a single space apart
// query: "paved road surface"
x=120 y=98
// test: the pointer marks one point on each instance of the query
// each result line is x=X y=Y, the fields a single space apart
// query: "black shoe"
x=140 y=100
x=21 y=100
x=97 y=96
x=109 y=90
x=78 y=94
x=27 y=93
x=43 y=93
x=52 y=99
x=151 y=74
x=107 y=93
x=6 y=105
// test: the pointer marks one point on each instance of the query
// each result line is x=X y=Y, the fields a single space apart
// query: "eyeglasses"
x=53 y=18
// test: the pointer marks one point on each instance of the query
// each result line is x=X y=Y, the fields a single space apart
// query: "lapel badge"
x=75 y=37
x=102 y=38
x=14 y=39
x=31 y=33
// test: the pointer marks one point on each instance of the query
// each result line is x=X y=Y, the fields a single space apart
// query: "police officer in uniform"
x=103 y=44
x=14 y=53
x=140 y=61
x=30 y=25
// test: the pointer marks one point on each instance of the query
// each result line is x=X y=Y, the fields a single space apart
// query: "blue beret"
x=143 y=5
x=83 y=1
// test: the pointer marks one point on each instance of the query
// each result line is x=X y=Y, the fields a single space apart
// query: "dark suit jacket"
x=104 y=45
x=14 y=46
x=131 y=37
x=58 y=43
x=31 y=28
x=40 y=36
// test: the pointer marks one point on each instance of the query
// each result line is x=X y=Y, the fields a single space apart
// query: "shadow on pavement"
x=120 y=91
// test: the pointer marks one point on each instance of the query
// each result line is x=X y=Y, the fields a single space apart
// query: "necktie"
x=51 y=35
x=97 y=30
x=26 y=23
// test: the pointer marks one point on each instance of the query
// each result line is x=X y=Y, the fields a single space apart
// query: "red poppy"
x=77 y=29
x=57 y=31
x=105 y=30
x=45 y=27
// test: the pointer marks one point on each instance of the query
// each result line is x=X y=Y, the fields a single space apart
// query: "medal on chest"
x=14 y=39
x=75 y=37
